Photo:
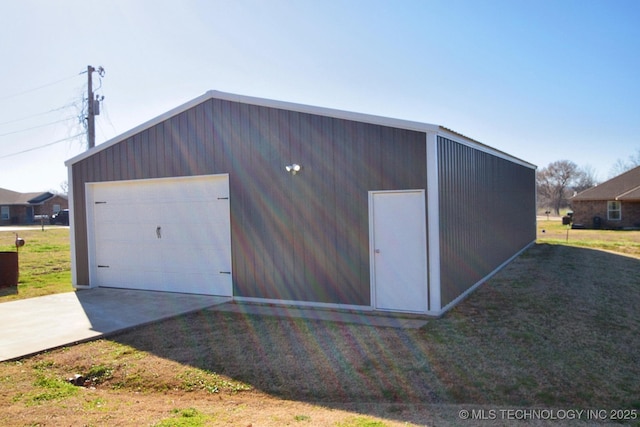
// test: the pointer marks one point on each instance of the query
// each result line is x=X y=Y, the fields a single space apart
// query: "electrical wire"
x=37 y=114
x=101 y=73
x=2 y=98
x=105 y=111
x=38 y=127
x=40 y=146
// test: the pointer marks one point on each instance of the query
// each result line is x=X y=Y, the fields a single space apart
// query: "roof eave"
x=146 y=125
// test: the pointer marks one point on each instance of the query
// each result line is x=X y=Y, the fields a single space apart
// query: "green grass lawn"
x=553 y=232
x=44 y=262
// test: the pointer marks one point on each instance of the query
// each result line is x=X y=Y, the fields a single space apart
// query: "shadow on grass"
x=558 y=327
x=8 y=290
x=379 y=371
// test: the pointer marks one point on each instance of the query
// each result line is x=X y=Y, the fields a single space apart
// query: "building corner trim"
x=433 y=224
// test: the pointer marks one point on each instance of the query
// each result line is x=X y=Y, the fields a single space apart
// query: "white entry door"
x=398 y=250
x=170 y=234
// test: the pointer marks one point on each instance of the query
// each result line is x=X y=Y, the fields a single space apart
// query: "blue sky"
x=542 y=80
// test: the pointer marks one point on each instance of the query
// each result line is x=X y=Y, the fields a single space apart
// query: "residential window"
x=614 y=210
x=56 y=209
x=4 y=212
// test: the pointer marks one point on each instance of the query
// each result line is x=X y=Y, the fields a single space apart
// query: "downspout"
x=72 y=228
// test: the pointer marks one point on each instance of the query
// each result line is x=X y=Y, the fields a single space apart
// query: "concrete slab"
x=37 y=324
x=312 y=313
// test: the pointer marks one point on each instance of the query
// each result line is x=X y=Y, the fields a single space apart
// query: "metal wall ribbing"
x=486 y=211
x=303 y=237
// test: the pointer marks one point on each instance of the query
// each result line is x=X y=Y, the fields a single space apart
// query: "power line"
x=37 y=114
x=41 y=146
x=2 y=98
x=105 y=110
x=38 y=127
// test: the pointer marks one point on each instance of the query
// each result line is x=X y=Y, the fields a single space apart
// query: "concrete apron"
x=310 y=313
x=37 y=324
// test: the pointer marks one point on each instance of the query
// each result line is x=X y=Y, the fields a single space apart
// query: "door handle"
x=159 y=232
x=377 y=251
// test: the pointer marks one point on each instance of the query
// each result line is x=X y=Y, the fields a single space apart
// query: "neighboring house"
x=275 y=202
x=28 y=208
x=614 y=204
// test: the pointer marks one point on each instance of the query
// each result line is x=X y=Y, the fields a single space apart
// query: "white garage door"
x=170 y=234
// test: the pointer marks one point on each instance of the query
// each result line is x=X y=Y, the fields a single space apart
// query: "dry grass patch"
x=129 y=386
x=557 y=328
x=298 y=359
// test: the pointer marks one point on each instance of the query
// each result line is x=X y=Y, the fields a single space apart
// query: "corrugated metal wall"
x=487 y=214
x=302 y=237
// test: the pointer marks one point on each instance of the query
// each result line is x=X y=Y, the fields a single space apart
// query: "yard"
x=556 y=330
x=45 y=262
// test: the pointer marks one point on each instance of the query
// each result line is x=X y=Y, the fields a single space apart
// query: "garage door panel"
x=119 y=255
x=123 y=278
x=197 y=213
x=128 y=234
x=122 y=221
x=178 y=236
x=164 y=235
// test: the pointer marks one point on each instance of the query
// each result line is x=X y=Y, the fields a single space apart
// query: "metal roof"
x=40 y=198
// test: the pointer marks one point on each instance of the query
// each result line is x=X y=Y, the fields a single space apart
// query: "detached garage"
x=277 y=202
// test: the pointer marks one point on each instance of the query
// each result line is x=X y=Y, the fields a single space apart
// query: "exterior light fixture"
x=293 y=168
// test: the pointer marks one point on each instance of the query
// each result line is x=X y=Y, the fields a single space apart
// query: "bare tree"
x=585 y=178
x=64 y=187
x=621 y=166
x=559 y=181
x=62 y=191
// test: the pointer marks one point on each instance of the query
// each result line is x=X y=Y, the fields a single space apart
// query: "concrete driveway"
x=36 y=324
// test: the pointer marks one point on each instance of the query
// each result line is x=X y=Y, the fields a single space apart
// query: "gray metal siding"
x=487 y=214
x=302 y=237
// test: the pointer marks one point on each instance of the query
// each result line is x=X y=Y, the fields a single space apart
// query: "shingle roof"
x=8 y=197
x=625 y=186
x=630 y=195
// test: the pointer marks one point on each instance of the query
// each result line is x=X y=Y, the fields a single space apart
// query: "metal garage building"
x=277 y=202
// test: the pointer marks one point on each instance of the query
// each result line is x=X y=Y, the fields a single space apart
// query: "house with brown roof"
x=614 y=204
x=26 y=208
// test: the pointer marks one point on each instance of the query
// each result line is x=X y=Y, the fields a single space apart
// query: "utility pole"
x=91 y=122
x=93 y=106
